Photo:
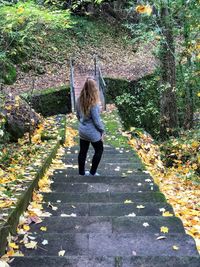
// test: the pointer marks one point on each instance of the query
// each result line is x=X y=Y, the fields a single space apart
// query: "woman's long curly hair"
x=89 y=96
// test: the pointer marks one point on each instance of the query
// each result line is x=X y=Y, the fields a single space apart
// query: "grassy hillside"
x=47 y=52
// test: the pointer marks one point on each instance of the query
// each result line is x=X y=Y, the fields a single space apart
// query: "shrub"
x=3 y=134
x=137 y=101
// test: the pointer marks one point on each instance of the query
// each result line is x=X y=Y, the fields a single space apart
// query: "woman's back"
x=90 y=126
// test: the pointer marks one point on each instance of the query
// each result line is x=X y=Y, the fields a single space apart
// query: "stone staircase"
x=78 y=76
x=113 y=220
x=79 y=80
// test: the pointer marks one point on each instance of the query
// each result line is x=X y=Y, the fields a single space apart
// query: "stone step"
x=141 y=244
x=112 y=166
x=105 y=209
x=106 y=155
x=120 y=150
x=107 y=152
x=106 y=147
x=105 y=166
x=85 y=224
x=84 y=261
x=98 y=244
x=108 y=171
x=107 y=162
x=127 y=164
x=129 y=224
x=151 y=209
x=74 y=160
x=102 y=187
x=105 y=158
x=61 y=176
x=109 y=224
x=107 y=197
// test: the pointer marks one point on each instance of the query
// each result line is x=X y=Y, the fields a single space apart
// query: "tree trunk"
x=189 y=105
x=169 y=119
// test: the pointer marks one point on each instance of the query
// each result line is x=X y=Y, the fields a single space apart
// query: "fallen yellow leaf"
x=13 y=245
x=164 y=229
x=43 y=228
x=26 y=227
x=167 y=214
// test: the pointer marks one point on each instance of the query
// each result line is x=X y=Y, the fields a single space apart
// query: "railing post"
x=103 y=87
x=96 y=72
x=100 y=82
x=72 y=92
x=95 y=65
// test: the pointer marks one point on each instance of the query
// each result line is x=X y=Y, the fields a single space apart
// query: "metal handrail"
x=100 y=81
x=72 y=90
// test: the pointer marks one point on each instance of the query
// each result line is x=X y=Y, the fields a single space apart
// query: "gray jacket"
x=91 y=127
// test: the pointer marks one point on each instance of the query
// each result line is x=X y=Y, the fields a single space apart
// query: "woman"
x=91 y=128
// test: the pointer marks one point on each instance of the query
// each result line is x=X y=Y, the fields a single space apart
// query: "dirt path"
x=116 y=61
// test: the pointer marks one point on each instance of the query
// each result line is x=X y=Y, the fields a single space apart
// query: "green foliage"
x=187 y=87
x=9 y=73
x=138 y=102
x=74 y=5
x=23 y=29
x=3 y=135
x=78 y=4
x=183 y=18
x=115 y=87
x=90 y=31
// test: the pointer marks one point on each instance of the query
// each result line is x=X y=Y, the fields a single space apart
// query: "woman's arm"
x=97 y=119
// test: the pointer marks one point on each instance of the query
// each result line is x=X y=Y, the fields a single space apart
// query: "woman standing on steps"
x=91 y=128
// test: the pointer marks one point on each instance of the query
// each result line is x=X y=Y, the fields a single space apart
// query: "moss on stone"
x=50 y=101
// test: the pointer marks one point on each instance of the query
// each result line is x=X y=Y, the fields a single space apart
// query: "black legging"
x=84 y=146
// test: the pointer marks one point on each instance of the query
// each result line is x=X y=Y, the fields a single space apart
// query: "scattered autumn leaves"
x=179 y=181
x=19 y=162
x=35 y=212
x=182 y=155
